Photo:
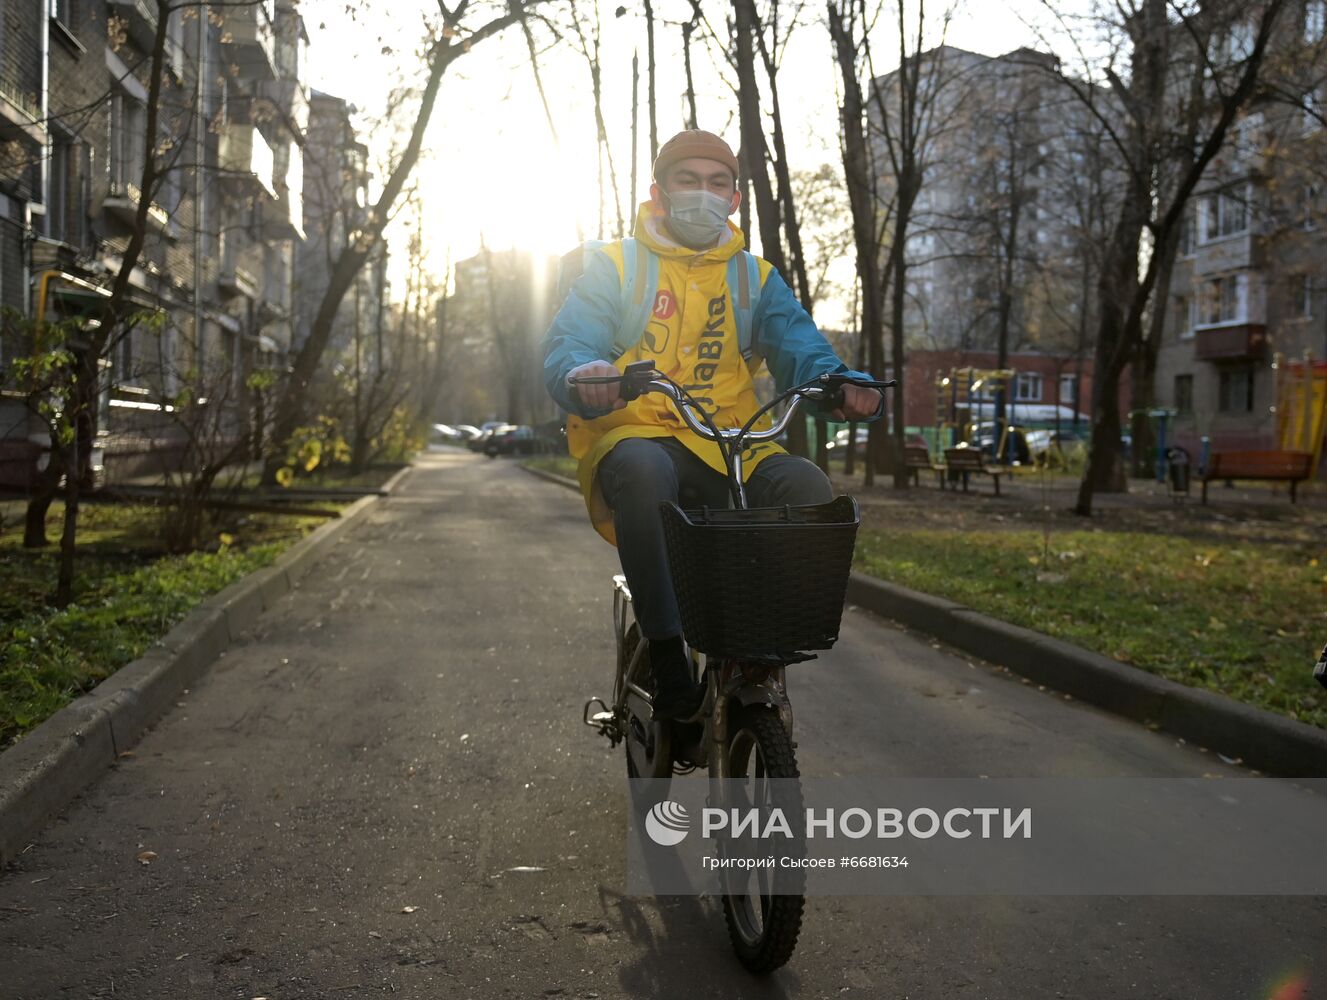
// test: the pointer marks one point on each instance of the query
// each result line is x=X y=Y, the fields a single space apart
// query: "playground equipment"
x=965 y=412
x=1301 y=405
x=959 y=398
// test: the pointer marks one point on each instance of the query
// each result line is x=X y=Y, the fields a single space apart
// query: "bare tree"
x=1166 y=43
x=452 y=40
x=908 y=107
x=847 y=28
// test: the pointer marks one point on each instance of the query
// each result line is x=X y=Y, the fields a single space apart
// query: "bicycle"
x=750 y=629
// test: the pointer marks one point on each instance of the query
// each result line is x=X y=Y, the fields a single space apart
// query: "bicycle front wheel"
x=763 y=908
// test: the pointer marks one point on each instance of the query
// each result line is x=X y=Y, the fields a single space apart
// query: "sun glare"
x=492 y=174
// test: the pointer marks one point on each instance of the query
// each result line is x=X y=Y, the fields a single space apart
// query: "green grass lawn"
x=1241 y=618
x=562 y=465
x=128 y=594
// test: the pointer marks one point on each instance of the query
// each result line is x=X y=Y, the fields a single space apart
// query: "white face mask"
x=698 y=218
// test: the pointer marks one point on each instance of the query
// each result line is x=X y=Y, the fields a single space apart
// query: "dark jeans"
x=640 y=472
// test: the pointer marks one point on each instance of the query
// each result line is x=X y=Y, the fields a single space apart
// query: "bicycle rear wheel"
x=763 y=909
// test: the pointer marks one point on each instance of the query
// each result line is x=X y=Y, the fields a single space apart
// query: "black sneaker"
x=676 y=695
x=678 y=704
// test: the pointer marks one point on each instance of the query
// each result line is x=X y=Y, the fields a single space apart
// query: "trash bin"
x=1177 y=464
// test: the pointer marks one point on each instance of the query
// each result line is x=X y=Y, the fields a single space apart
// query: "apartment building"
x=336 y=203
x=1002 y=230
x=1250 y=283
x=224 y=223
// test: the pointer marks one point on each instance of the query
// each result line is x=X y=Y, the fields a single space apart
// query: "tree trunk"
x=753 y=136
x=754 y=149
x=822 y=442
x=649 y=89
x=34 y=518
x=861 y=200
x=687 y=29
x=1145 y=363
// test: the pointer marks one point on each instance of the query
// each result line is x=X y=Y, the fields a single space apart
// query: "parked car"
x=447 y=434
x=1042 y=442
x=486 y=431
x=511 y=440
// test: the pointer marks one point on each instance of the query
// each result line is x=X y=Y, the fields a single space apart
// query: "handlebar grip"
x=830 y=401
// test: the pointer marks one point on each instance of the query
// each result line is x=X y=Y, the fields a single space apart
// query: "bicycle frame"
x=734 y=683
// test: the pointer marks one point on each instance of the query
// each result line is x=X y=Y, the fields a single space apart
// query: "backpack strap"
x=744 y=283
x=640 y=284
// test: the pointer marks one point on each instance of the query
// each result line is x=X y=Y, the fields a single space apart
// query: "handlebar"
x=641 y=377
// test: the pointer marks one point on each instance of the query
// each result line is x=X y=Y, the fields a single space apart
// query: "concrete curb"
x=44 y=771
x=1261 y=739
x=553 y=477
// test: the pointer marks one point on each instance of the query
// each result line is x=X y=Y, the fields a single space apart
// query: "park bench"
x=917 y=457
x=968 y=461
x=1284 y=466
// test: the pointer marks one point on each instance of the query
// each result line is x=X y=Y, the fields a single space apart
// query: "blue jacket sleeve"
x=793 y=347
x=582 y=331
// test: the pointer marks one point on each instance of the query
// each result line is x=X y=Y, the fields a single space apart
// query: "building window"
x=1315 y=21
x=1223 y=299
x=127 y=374
x=66 y=214
x=1235 y=390
x=1308 y=203
x=1183 y=316
x=1028 y=388
x=128 y=128
x=1223 y=213
x=1068 y=389
x=1300 y=305
x=1184 y=393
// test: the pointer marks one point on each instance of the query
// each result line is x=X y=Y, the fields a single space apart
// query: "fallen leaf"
x=147 y=857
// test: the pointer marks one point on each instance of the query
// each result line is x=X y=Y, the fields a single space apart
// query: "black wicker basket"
x=762 y=581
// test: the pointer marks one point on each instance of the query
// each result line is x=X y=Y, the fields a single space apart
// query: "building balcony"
x=235 y=280
x=249 y=42
x=246 y=159
x=122 y=201
x=20 y=112
x=291 y=100
x=283 y=219
x=140 y=17
x=1231 y=253
x=1239 y=342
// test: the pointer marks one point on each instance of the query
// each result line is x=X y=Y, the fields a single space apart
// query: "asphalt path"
x=386 y=790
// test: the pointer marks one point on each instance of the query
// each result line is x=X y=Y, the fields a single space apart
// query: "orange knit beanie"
x=694 y=142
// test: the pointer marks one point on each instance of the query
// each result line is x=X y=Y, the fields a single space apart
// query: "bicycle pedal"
x=597 y=719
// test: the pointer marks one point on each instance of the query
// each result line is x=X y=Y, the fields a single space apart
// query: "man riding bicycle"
x=685 y=296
